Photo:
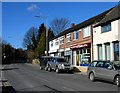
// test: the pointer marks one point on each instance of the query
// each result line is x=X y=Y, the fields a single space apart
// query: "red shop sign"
x=79 y=46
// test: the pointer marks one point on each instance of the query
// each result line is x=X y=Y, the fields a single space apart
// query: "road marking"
x=68 y=88
x=44 y=80
x=6 y=83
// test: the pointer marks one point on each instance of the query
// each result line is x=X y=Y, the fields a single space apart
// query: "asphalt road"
x=25 y=77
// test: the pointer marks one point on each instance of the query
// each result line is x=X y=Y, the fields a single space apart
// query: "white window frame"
x=75 y=36
x=86 y=31
x=61 y=39
x=56 y=42
x=51 y=44
x=68 y=36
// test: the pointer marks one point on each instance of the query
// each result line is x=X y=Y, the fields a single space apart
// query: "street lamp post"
x=44 y=17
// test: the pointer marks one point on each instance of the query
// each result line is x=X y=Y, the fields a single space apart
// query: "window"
x=86 y=31
x=107 y=64
x=93 y=64
x=88 y=50
x=61 y=40
x=56 y=42
x=100 y=64
x=106 y=28
x=100 y=52
x=116 y=51
x=75 y=35
x=107 y=51
x=68 y=37
x=51 y=43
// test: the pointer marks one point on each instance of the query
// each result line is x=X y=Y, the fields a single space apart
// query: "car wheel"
x=46 y=68
x=49 y=69
x=40 y=68
x=117 y=81
x=92 y=77
x=57 y=70
x=72 y=72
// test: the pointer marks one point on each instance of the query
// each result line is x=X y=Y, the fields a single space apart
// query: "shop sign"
x=79 y=46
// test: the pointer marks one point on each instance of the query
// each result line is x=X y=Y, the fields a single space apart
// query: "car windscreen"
x=49 y=59
x=61 y=60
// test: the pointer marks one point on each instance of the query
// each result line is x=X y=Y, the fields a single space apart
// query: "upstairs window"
x=56 y=42
x=86 y=31
x=106 y=28
x=75 y=35
x=68 y=37
x=61 y=40
x=51 y=43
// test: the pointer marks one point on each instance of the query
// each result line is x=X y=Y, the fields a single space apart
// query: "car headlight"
x=61 y=66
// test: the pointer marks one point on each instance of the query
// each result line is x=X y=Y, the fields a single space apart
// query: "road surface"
x=26 y=77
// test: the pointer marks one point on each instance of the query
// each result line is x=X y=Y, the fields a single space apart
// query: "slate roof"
x=113 y=15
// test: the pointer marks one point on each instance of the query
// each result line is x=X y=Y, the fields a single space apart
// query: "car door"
x=53 y=63
x=109 y=71
x=99 y=69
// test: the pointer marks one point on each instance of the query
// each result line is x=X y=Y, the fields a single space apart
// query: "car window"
x=107 y=64
x=93 y=64
x=48 y=59
x=61 y=60
x=117 y=67
x=100 y=64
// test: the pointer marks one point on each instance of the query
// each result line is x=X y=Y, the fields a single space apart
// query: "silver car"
x=105 y=70
x=58 y=64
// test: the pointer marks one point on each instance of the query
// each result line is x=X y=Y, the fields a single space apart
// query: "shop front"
x=81 y=54
x=68 y=55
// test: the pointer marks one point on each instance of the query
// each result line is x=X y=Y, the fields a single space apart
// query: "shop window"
x=88 y=50
x=84 y=51
x=116 y=51
x=81 y=51
x=62 y=54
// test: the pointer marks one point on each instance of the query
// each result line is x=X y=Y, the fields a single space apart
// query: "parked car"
x=43 y=62
x=58 y=64
x=105 y=70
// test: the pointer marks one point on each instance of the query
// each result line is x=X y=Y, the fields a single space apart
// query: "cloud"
x=32 y=7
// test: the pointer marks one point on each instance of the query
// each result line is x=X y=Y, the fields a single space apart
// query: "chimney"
x=72 y=25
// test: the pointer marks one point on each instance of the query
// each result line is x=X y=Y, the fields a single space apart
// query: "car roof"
x=102 y=60
x=46 y=57
x=59 y=57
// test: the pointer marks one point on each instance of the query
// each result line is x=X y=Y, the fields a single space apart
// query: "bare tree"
x=59 y=24
x=30 y=39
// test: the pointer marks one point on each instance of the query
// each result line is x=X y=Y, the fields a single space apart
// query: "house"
x=78 y=43
x=106 y=36
x=54 y=47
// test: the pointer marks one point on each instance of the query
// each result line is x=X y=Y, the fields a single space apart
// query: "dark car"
x=43 y=61
x=58 y=64
x=105 y=70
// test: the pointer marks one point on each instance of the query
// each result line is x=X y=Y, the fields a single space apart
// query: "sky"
x=18 y=17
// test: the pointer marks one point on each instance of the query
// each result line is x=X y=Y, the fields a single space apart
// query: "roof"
x=84 y=23
x=114 y=14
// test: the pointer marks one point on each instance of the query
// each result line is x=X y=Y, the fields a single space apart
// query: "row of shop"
x=97 y=38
